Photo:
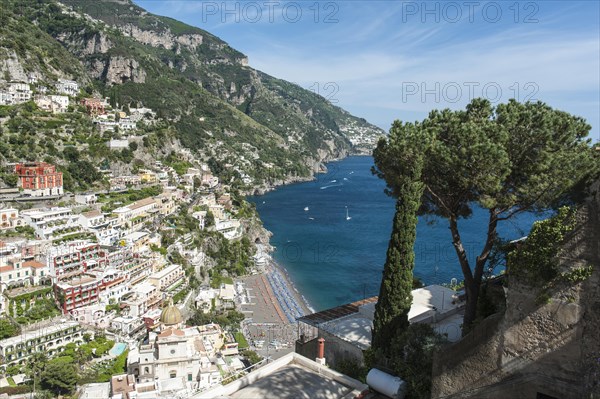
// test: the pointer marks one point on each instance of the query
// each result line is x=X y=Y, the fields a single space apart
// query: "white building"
x=21 y=92
x=93 y=315
x=17 y=272
x=231 y=229
x=54 y=104
x=138 y=209
x=145 y=297
x=127 y=124
x=127 y=325
x=206 y=298
x=51 y=222
x=86 y=198
x=167 y=278
x=9 y=218
x=201 y=217
x=178 y=356
x=50 y=340
x=68 y=87
x=115 y=144
x=6 y=98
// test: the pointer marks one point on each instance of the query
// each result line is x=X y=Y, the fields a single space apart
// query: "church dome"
x=170 y=315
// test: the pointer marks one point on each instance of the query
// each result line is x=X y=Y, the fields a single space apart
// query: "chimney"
x=321 y=351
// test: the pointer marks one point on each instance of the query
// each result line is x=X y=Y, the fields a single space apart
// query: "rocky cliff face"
x=120 y=70
x=201 y=88
x=164 y=39
x=552 y=349
x=84 y=46
x=11 y=67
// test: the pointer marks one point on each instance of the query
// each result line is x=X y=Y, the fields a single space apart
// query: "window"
x=189 y=376
x=172 y=351
x=146 y=370
x=172 y=374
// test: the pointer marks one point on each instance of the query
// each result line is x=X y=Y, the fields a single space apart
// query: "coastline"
x=289 y=298
x=319 y=168
x=300 y=298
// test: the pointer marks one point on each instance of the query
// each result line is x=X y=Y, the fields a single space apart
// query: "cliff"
x=203 y=89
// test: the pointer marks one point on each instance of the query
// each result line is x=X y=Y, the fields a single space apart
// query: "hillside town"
x=81 y=267
x=176 y=223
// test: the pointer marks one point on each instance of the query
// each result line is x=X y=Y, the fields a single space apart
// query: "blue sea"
x=333 y=260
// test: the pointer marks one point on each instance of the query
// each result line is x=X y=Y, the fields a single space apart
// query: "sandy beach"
x=272 y=308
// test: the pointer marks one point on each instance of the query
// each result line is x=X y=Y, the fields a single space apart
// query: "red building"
x=85 y=289
x=39 y=179
x=94 y=106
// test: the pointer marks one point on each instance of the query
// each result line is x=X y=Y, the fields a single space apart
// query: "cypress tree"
x=395 y=299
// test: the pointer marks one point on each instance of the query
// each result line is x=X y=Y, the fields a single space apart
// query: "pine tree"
x=395 y=299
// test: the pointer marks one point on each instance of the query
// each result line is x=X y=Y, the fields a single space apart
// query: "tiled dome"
x=170 y=315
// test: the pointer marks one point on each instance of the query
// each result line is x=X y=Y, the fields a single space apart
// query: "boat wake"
x=331 y=185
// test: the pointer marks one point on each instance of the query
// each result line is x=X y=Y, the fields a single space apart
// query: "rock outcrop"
x=122 y=69
x=164 y=39
x=10 y=66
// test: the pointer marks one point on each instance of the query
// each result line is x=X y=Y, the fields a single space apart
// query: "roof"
x=171 y=315
x=164 y=272
x=291 y=376
x=122 y=383
x=34 y=264
x=96 y=391
x=92 y=214
x=170 y=332
x=141 y=203
x=335 y=313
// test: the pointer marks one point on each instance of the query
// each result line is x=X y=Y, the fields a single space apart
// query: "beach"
x=273 y=304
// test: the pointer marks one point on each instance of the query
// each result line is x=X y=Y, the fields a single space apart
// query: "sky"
x=388 y=60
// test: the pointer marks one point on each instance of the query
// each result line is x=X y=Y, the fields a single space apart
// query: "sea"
x=331 y=234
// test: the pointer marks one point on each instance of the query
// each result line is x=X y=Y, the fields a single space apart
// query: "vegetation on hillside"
x=269 y=128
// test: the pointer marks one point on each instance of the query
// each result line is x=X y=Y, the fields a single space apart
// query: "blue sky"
x=387 y=60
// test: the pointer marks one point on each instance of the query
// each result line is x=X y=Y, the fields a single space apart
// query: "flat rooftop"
x=434 y=305
x=290 y=377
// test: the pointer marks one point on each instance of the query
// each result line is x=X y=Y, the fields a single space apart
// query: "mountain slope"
x=219 y=107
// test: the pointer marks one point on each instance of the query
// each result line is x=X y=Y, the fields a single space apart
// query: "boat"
x=347 y=216
x=305 y=209
x=311 y=218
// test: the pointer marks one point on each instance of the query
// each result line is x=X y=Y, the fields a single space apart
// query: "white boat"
x=311 y=218
x=305 y=209
x=347 y=216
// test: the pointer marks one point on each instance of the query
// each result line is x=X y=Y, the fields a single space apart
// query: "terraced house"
x=50 y=340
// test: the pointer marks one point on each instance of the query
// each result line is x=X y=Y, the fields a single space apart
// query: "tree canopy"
x=508 y=159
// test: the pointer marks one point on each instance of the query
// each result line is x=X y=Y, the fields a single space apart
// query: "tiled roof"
x=33 y=263
x=92 y=214
x=141 y=203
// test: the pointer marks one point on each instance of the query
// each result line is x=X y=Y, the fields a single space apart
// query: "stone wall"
x=551 y=349
x=336 y=349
